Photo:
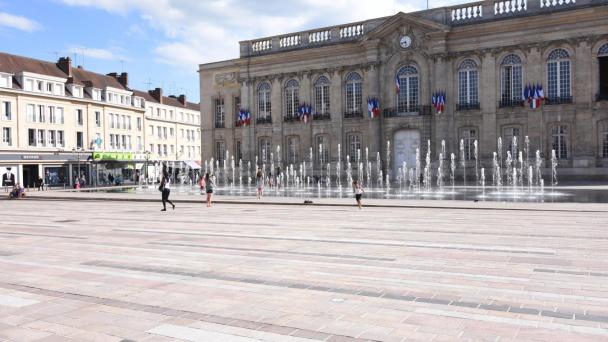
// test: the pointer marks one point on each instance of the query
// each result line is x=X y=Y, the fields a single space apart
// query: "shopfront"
x=56 y=169
x=117 y=168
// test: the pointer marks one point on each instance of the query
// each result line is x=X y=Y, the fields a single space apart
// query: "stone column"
x=534 y=72
x=337 y=114
x=277 y=112
x=489 y=92
x=583 y=133
x=247 y=131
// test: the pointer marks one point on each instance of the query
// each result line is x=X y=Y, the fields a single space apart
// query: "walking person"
x=209 y=185
x=358 y=190
x=259 y=183
x=165 y=189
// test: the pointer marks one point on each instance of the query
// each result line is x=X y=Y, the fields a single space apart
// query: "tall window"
x=30 y=114
x=59 y=111
x=79 y=140
x=52 y=138
x=60 y=140
x=322 y=96
x=293 y=146
x=407 y=98
x=604 y=142
x=511 y=135
x=31 y=137
x=41 y=137
x=322 y=148
x=238 y=152
x=354 y=145
x=41 y=114
x=6 y=136
x=220 y=115
x=220 y=151
x=469 y=135
x=292 y=99
x=602 y=55
x=468 y=80
x=264 y=150
x=6 y=110
x=511 y=80
x=237 y=108
x=559 y=138
x=558 y=76
x=52 y=117
x=354 y=93
x=79 y=117
x=98 y=119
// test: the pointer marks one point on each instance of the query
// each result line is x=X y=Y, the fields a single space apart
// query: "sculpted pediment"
x=405 y=33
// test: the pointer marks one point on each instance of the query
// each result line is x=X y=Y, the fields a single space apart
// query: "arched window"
x=602 y=55
x=264 y=104
x=511 y=81
x=407 y=97
x=468 y=81
x=558 y=76
x=292 y=99
x=354 y=94
x=322 y=96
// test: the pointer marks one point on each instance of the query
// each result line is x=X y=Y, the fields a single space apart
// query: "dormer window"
x=6 y=81
x=40 y=86
x=49 y=88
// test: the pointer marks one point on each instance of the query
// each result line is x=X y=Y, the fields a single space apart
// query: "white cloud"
x=97 y=53
x=18 y=22
x=199 y=31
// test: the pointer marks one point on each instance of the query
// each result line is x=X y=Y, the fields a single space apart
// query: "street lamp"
x=78 y=151
x=147 y=157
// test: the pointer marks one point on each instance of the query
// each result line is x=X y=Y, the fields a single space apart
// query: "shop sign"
x=30 y=157
x=109 y=156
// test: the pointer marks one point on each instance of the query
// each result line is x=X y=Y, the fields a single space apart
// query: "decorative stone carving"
x=226 y=78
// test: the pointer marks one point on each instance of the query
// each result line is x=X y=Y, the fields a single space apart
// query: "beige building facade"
x=60 y=122
x=483 y=56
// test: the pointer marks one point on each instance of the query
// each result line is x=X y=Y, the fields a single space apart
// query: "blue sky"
x=161 y=42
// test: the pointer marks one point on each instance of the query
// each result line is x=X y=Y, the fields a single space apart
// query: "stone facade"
x=441 y=44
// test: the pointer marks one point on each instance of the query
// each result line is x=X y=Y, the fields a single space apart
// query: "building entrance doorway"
x=30 y=175
x=405 y=143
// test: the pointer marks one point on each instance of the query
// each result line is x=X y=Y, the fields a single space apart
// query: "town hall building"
x=482 y=58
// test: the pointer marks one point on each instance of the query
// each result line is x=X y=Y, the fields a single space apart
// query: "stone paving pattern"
x=73 y=270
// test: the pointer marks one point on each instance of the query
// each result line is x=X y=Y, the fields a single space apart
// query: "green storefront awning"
x=113 y=156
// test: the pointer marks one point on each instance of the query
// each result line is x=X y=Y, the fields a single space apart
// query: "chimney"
x=182 y=100
x=65 y=65
x=157 y=94
x=124 y=79
x=113 y=74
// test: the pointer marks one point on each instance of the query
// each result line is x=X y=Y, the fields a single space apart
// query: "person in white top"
x=358 y=190
x=165 y=189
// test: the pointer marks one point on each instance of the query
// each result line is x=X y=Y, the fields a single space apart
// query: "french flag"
x=376 y=108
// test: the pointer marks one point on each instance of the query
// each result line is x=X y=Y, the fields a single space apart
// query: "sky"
x=160 y=43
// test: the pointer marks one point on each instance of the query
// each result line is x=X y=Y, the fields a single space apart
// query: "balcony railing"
x=467 y=106
x=601 y=97
x=506 y=103
x=291 y=119
x=406 y=111
x=264 y=121
x=220 y=125
x=558 y=100
x=319 y=117
x=353 y=115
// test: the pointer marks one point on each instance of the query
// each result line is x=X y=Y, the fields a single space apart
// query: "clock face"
x=405 y=42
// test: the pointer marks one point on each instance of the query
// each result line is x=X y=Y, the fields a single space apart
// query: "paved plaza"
x=73 y=270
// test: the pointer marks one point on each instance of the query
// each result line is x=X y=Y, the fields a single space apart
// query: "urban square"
x=402 y=170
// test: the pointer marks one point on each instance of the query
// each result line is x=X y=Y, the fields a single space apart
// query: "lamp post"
x=147 y=157
x=77 y=151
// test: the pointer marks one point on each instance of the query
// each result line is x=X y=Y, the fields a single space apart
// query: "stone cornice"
x=526 y=47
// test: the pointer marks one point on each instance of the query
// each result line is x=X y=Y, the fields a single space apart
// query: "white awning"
x=192 y=164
